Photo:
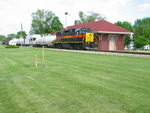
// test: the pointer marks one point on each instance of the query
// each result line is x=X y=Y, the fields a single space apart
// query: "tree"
x=142 y=32
x=127 y=26
x=147 y=33
x=11 y=36
x=56 y=25
x=45 y=22
x=140 y=41
x=89 y=17
x=21 y=34
x=2 y=38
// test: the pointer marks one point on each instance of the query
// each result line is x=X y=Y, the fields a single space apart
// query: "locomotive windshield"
x=85 y=30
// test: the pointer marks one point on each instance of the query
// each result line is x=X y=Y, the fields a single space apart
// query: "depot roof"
x=102 y=26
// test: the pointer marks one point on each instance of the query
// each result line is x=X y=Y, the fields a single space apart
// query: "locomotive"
x=76 y=38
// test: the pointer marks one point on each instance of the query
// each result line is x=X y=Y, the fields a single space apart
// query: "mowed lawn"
x=73 y=82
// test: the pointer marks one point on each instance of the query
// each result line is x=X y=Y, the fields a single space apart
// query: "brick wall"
x=120 y=42
x=104 y=43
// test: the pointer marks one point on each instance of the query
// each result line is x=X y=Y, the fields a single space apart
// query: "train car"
x=46 y=40
x=29 y=40
x=20 y=42
x=35 y=40
x=78 y=38
x=13 y=41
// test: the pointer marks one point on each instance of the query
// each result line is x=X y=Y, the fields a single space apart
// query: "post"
x=149 y=45
x=36 y=61
x=43 y=54
x=131 y=41
x=22 y=36
x=66 y=13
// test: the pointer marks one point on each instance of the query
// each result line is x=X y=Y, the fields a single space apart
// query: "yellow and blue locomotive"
x=77 y=38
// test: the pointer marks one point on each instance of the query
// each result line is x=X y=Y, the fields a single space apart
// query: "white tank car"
x=20 y=41
x=46 y=40
x=39 y=41
x=13 y=41
x=27 y=40
x=33 y=39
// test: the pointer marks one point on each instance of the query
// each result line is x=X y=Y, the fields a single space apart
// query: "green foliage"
x=127 y=26
x=147 y=33
x=2 y=38
x=142 y=32
x=89 y=17
x=21 y=34
x=56 y=25
x=11 y=36
x=45 y=22
x=11 y=46
x=140 y=41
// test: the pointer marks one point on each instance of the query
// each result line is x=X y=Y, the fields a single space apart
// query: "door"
x=112 y=43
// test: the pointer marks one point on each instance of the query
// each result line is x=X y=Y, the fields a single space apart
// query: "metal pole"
x=131 y=41
x=22 y=35
x=43 y=58
x=66 y=13
x=36 y=61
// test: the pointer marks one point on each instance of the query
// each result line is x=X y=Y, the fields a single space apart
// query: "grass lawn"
x=73 y=82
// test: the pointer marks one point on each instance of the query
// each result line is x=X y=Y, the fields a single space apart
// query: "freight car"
x=78 y=38
x=35 y=40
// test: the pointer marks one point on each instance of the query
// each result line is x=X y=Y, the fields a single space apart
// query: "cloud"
x=145 y=6
x=14 y=12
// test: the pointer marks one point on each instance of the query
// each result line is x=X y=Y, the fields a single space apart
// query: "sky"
x=15 y=12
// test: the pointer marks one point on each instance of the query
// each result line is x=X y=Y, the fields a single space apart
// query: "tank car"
x=45 y=40
x=20 y=42
x=13 y=41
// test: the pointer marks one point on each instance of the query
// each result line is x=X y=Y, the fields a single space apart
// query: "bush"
x=11 y=46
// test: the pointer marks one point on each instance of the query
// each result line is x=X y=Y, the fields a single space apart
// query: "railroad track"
x=128 y=52
x=120 y=53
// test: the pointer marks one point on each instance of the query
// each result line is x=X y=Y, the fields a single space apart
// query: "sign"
x=89 y=37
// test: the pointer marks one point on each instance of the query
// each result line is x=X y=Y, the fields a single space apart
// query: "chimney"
x=76 y=22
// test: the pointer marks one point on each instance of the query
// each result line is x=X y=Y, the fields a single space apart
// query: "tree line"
x=141 y=30
x=46 y=22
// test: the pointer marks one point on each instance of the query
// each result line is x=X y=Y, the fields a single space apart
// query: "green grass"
x=73 y=83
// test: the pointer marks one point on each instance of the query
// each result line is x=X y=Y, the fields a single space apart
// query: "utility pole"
x=22 y=34
x=66 y=13
x=43 y=60
x=21 y=27
x=131 y=41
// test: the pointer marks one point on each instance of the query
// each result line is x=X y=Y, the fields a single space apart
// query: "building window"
x=112 y=38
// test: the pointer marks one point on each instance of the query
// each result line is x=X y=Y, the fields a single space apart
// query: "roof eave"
x=110 y=32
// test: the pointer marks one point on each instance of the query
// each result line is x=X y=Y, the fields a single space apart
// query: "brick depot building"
x=107 y=35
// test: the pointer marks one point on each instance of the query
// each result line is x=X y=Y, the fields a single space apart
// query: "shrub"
x=11 y=46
